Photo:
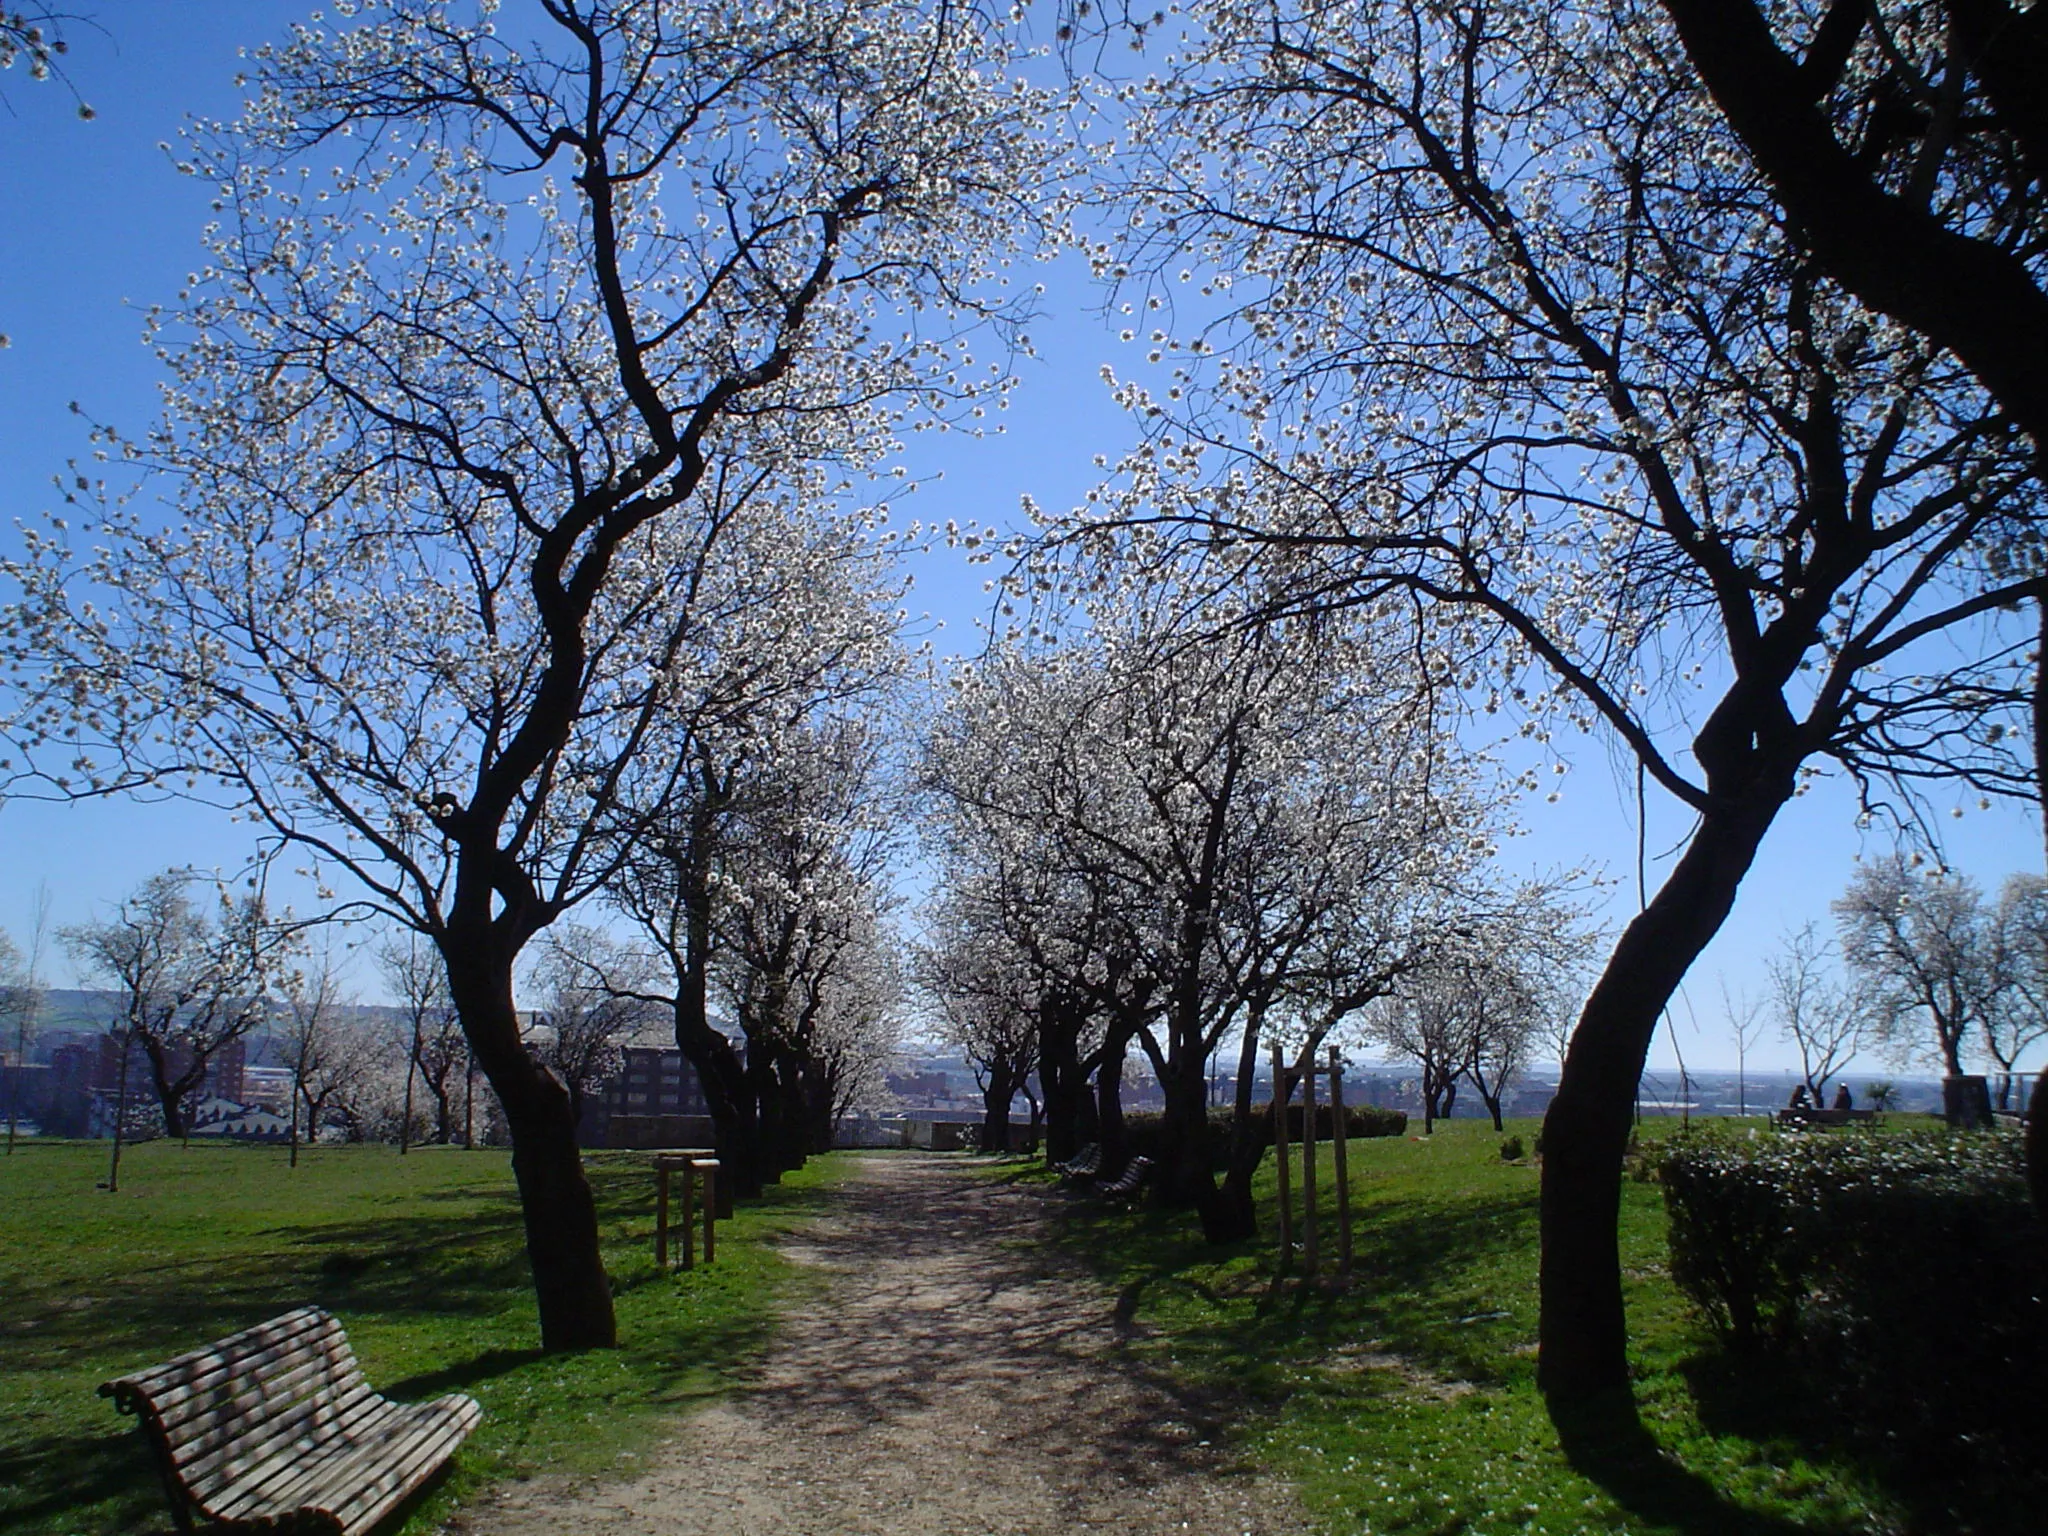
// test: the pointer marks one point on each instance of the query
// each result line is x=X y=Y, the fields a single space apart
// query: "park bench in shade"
x=1082 y=1166
x=275 y=1429
x=1129 y=1182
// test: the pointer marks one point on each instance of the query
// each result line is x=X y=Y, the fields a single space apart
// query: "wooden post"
x=1308 y=1161
x=1280 y=1156
x=709 y=1168
x=689 y=1215
x=660 y=1217
x=1339 y=1129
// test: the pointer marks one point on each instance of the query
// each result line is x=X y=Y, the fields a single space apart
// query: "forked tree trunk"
x=1582 y=1333
x=569 y=1282
x=170 y=1096
x=721 y=1071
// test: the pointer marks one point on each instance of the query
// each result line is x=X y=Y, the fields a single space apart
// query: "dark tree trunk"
x=170 y=1094
x=569 y=1282
x=820 y=1092
x=1230 y=1216
x=1973 y=296
x=1583 y=1333
x=735 y=1130
x=444 y=1111
x=788 y=1146
x=1063 y=1076
x=995 y=1110
x=1109 y=1097
x=1184 y=1180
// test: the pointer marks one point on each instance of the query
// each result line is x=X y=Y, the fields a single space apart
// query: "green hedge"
x=1142 y=1129
x=1908 y=1268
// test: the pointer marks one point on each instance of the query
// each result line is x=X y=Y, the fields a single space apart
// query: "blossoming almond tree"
x=1907 y=142
x=498 y=349
x=1510 y=327
x=765 y=855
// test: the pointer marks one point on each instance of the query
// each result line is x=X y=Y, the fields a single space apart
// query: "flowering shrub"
x=1905 y=1268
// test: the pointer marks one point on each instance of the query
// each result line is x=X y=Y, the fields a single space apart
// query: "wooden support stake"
x=1340 y=1130
x=660 y=1218
x=1280 y=1156
x=689 y=1215
x=709 y=1167
x=1308 y=1162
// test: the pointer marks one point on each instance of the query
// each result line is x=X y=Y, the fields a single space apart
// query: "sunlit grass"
x=1405 y=1401
x=421 y=1257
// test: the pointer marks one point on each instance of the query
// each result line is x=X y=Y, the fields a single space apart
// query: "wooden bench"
x=1787 y=1118
x=1082 y=1166
x=274 y=1429
x=1129 y=1182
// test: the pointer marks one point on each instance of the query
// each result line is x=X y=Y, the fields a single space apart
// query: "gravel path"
x=958 y=1376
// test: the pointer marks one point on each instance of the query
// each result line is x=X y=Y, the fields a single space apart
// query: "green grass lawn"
x=421 y=1257
x=1406 y=1401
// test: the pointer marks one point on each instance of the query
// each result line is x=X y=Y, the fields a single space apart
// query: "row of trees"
x=1932 y=970
x=192 y=982
x=1146 y=842
x=1619 y=357
x=1630 y=346
x=509 y=451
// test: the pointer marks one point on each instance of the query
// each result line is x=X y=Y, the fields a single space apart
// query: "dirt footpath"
x=958 y=1376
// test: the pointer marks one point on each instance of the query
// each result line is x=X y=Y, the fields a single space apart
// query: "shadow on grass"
x=1606 y=1442
x=1406 y=1258
x=1988 y=1478
x=153 y=1311
x=62 y=1475
x=463 y=1374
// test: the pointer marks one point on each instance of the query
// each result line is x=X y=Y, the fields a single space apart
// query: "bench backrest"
x=221 y=1411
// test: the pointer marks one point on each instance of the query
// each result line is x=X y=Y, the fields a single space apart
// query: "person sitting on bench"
x=1843 y=1099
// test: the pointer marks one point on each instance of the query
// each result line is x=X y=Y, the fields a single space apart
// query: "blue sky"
x=97 y=225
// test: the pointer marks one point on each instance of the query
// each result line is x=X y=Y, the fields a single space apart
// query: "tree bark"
x=1968 y=295
x=570 y=1285
x=170 y=1096
x=995 y=1111
x=1063 y=1077
x=1231 y=1216
x=1582 y=1334
x=1109 y=1096
x=1184 y=1180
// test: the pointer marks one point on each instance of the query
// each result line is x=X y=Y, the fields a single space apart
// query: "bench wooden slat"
x=239 y=1394
x=275 y=1427
x=1127 y=1182
x=380 y=1465
x=236 y=1453
x=370 y=1504
x=163 y=1382
x=274 y=1482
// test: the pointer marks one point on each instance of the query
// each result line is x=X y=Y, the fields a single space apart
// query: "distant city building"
x=85 y=1077
x=652 y=1084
